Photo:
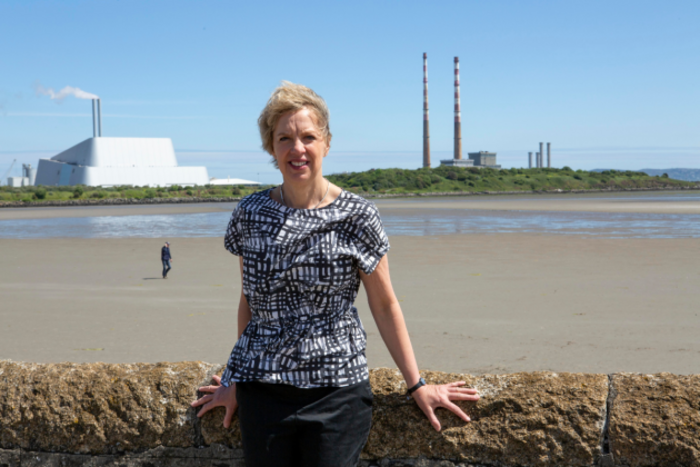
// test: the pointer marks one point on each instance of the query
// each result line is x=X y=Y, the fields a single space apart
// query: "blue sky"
x=610 y=84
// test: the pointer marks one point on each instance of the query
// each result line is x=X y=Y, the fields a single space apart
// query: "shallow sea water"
x=396 y=221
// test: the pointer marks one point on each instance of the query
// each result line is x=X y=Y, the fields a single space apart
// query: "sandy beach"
x=474 y=303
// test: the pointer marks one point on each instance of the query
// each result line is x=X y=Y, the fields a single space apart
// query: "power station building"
x=106 y=162
x=484 y=159
x=110 y=162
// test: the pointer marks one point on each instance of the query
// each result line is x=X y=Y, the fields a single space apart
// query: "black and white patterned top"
x=301 y=277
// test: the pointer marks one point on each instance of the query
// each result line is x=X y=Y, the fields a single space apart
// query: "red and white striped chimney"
x=426 y=124
x=458 y=114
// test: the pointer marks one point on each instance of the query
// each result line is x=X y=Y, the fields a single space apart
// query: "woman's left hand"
x=432 y=396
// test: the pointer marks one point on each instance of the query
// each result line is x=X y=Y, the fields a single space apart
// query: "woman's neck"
x=305 y=195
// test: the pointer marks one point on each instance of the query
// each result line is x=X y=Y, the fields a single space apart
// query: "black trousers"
x=285 y=426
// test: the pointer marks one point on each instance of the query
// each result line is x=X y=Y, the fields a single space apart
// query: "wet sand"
x=654 y=202
x=474 y=303
x=634 y=202
x=99 y=211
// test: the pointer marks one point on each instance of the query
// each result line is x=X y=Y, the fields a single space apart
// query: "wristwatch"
x=421 y=382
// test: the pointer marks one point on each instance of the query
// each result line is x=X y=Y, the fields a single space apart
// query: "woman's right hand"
x=218 y=396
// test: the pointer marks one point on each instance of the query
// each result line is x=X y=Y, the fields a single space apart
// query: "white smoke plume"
x=63 y=93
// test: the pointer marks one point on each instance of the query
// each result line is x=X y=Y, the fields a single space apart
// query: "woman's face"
x=299 y=146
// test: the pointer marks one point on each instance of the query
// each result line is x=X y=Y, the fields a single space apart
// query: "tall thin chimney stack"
x=458 y=114
x=94 y=118
x=541 y=161
x=549 y=155
x=426 y=124
x=529 y=160
x=99 y=118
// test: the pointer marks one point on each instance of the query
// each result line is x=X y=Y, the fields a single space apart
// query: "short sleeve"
x=372 y=243
x=232 y=240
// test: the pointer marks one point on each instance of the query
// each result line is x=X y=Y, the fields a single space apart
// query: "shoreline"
x=232 y=199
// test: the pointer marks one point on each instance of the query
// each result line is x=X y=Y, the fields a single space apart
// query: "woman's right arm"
x=218 y=395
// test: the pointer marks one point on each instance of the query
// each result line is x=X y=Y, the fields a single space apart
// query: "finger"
x=464 y=390
x=432 y=418
x=463 y=397
x=202 y=400
x=455 y=409
x=205 y=408
x=455 y=384
x=208 y=388
x=228 y=417
x=216 y=378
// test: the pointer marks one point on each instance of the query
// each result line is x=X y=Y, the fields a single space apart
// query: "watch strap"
x=421 y=382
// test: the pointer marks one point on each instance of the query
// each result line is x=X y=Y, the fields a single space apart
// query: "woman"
x=298 y=373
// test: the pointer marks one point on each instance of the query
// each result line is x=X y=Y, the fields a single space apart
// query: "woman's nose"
x=299 y=146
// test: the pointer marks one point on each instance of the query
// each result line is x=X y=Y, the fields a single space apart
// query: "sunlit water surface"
x=396 y=222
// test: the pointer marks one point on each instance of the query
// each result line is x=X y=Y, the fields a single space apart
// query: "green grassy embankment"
x=381 y=182
x=66 y=193
x=455 y=179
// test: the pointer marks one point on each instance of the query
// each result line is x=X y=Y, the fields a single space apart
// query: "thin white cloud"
x=68 y=115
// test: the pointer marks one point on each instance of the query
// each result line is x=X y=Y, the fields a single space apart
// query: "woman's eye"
x=284 y=138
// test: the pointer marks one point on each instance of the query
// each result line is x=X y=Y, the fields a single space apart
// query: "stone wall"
x=139 y=415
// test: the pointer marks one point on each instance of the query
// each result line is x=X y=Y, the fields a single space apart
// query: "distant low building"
x=232 y=182
x=17 y=182
x=484 y=159
x=457 y=162
x=107 y=162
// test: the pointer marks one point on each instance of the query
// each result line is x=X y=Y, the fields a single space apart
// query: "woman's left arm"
x=392 y=327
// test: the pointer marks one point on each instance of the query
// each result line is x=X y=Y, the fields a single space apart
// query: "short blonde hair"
x=290 y=97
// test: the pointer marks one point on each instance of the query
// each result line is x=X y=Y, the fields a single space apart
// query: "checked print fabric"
x=301 y=277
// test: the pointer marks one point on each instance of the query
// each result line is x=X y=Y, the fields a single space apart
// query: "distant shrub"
x=189 y=192
x=98 y=194
x=149 y=193
x=578 y=177
x=451 y=175
x=78 y=192
x=175 y=188
x=40 y=193
x=235 y=191
x=665 y=175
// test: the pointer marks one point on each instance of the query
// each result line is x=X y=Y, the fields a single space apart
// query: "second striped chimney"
x=458 y=114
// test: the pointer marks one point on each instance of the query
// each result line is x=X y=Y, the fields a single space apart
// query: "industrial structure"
x=106 y=162
x=458 y=115
x=476 y=159
x=539 y=157
x=426 y=120
x=232 y=182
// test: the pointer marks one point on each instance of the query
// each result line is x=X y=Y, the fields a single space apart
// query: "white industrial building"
x=110 y=162
x=107 y=162
x=233 y=182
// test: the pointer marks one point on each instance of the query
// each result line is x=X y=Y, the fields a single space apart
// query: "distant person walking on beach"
x=166 y=259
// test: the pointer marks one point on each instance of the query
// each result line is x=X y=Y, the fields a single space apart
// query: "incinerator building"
x=106 y=162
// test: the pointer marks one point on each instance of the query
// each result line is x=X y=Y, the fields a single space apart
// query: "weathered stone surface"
x=98 y=408
x=10 y=400
x=655 y=420
x=10 y=458
x=535 y=419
